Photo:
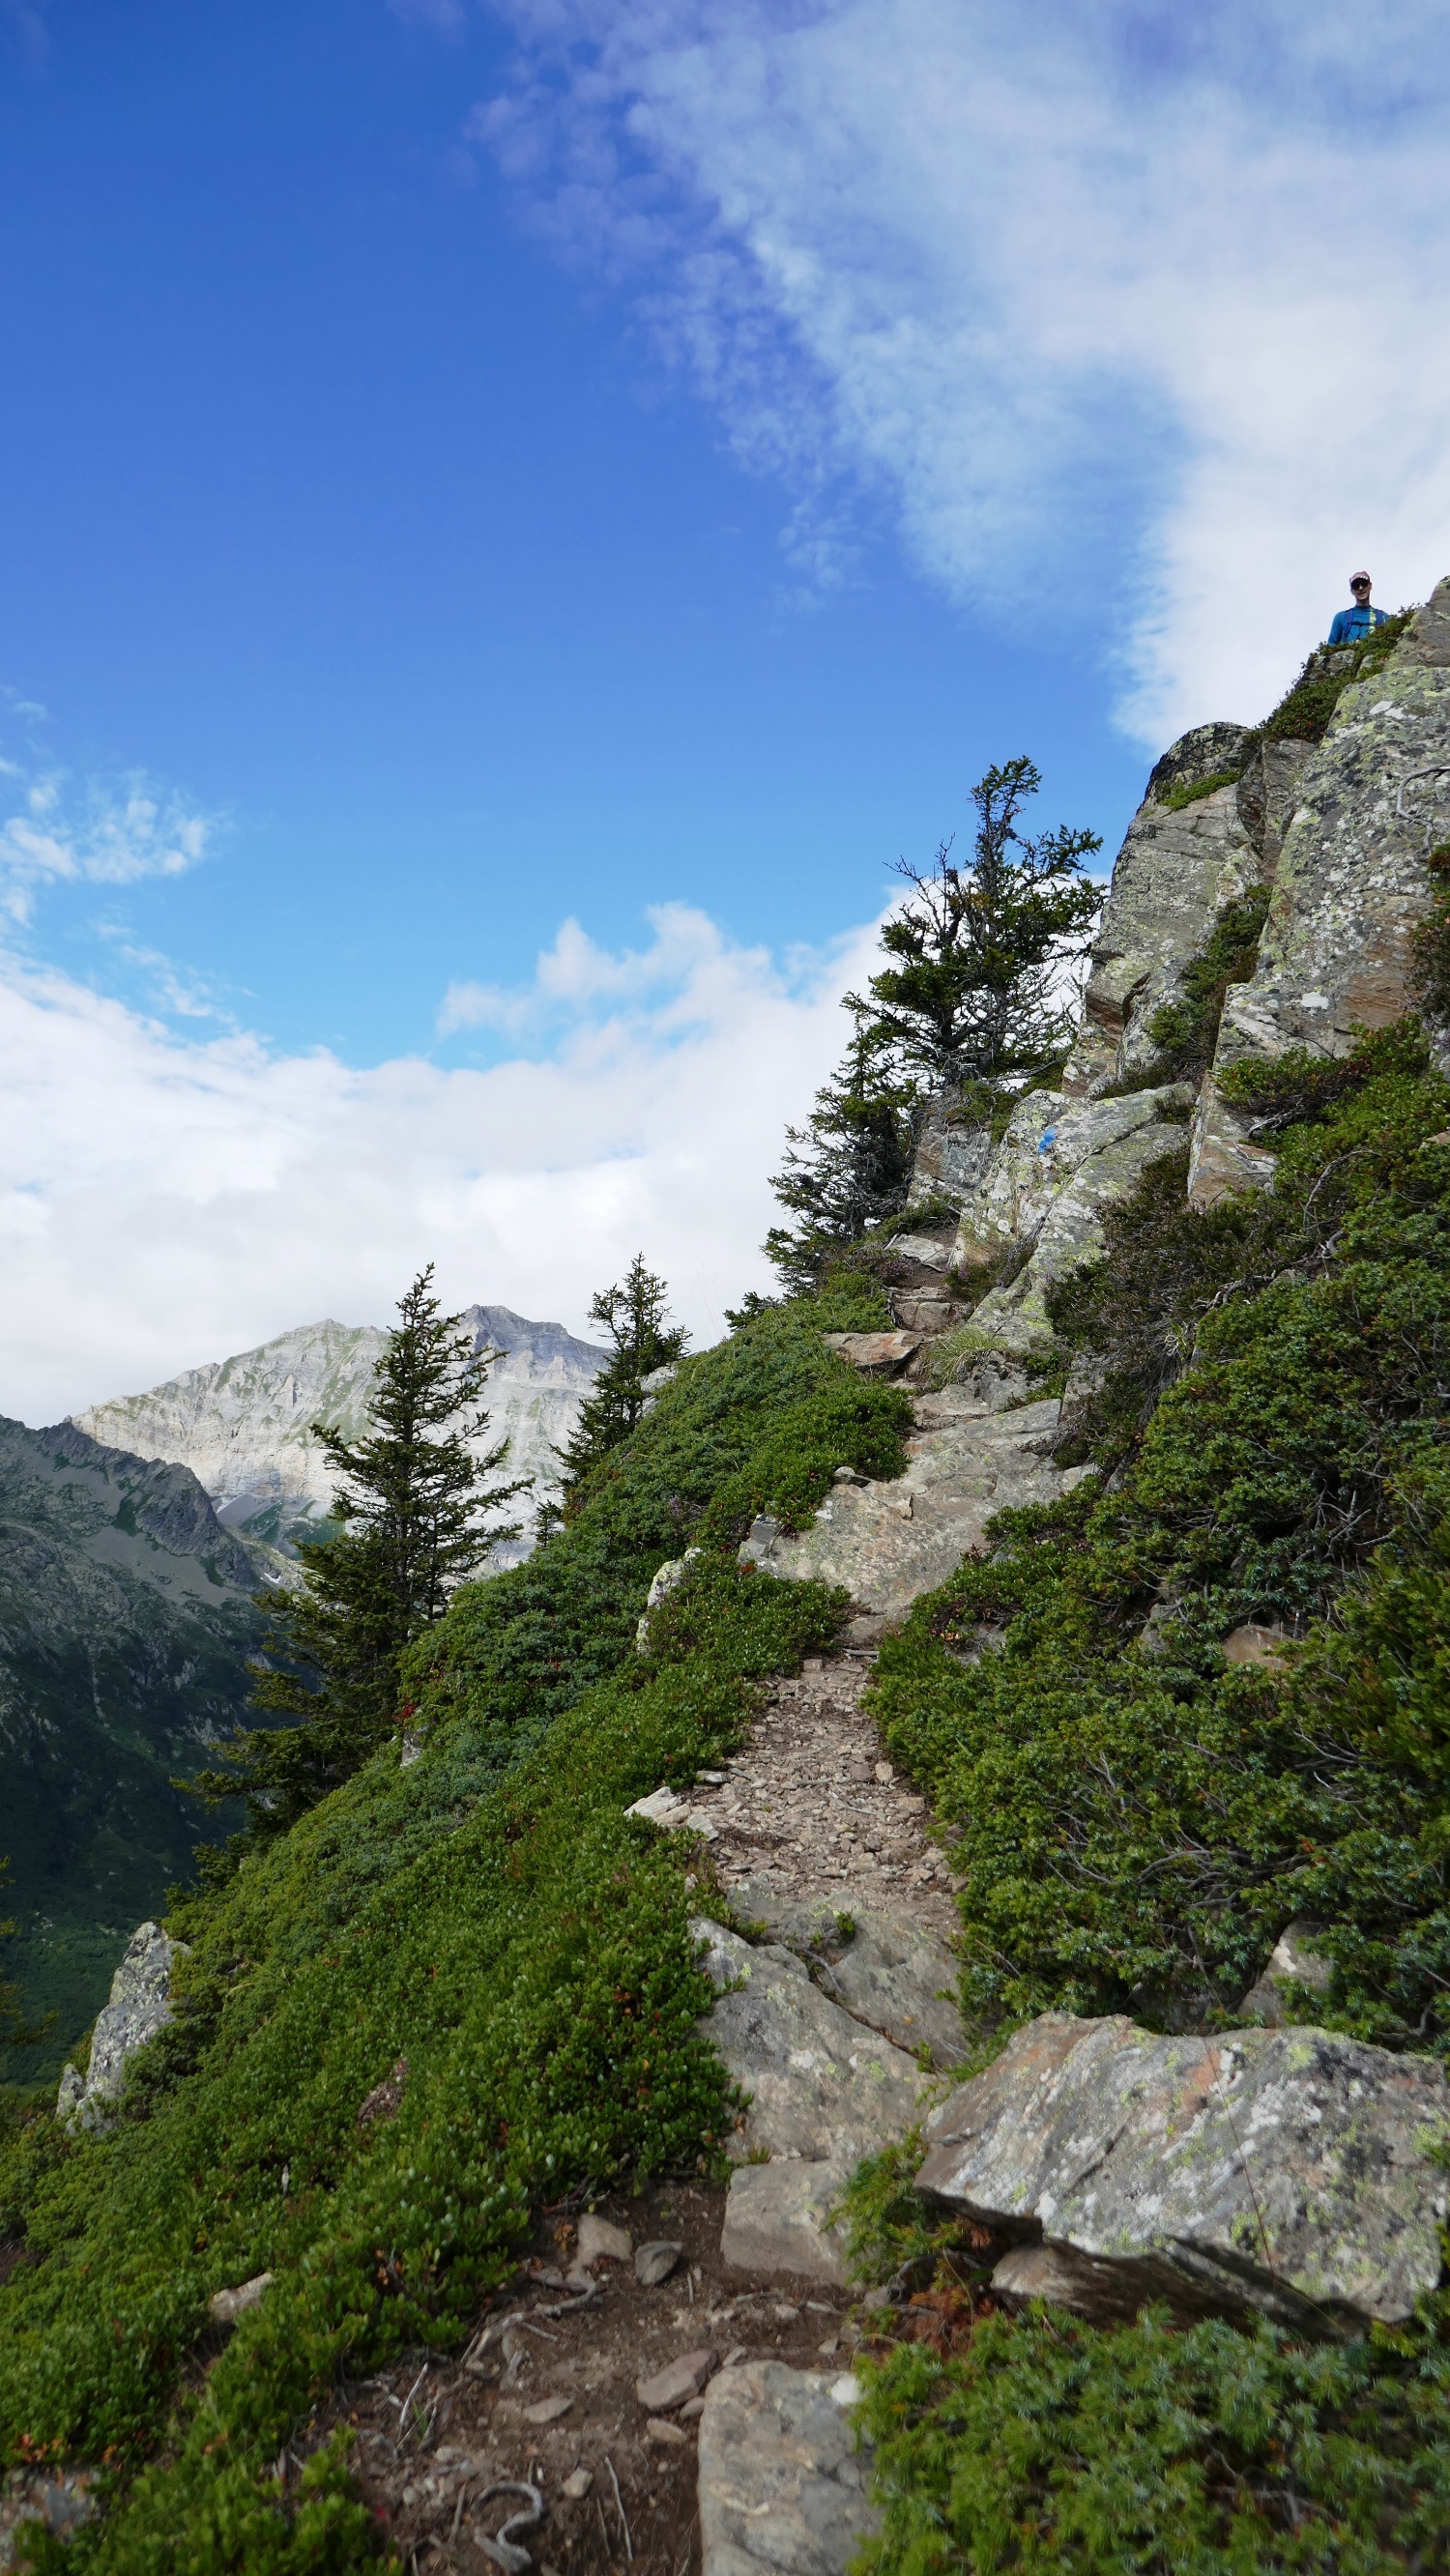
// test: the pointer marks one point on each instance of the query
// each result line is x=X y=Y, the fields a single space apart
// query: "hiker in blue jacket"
x=1353 y=624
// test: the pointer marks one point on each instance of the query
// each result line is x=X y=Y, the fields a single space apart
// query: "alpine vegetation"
x=1046 y=1598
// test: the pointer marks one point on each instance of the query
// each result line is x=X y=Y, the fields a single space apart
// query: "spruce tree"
x=635 y=1314
x=848 y=1168
x=974 y=996
x=408 y=1509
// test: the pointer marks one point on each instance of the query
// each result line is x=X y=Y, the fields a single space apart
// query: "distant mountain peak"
x=243 y=1425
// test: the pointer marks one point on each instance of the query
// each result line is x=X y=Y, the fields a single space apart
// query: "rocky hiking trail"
x=670 y=2373
x=702 y=2419
x=667 y=2384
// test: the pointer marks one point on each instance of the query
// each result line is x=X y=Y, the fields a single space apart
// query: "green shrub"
x=1135 y=1822
x=1056 y=2449
x=1303 y=713
x=492 y=1916
x=1176 y=798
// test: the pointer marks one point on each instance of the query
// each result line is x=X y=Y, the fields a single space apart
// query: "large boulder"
x=888 y=1970
x=139 y=2006
x=1335 y=955
x=1291 y=2174
x=951 y=1153
x=824 y=2091
x=822 y=2085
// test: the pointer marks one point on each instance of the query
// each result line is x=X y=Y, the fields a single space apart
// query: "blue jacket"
x=1353 y=624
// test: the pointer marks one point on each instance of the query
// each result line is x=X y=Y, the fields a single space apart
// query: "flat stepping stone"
x=822 y=2085
x=775 y=2221
x=782 y=2481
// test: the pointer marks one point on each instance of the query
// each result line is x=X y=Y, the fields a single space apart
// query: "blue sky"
x=339 y=501
x=472 y=471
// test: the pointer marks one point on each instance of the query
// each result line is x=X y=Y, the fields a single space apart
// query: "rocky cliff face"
x=244 y=1425
x=1181 y=865
x=1350 y=885
x=1334 y=837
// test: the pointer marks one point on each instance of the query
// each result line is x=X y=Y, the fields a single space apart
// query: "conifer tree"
x=974 y=993
x=408 y=1509
x=848 y=1168
x=972 y=1002
x=635 y=1314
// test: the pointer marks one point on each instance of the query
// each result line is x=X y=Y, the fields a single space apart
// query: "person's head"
x=1359 y=583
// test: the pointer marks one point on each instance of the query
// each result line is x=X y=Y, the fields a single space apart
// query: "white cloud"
x=687 y=952
x=165 y=1201
x=1168 y=289
x=55 y=831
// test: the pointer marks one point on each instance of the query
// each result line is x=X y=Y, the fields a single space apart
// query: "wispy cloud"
x=222 y=1191
x=55 y=829
x=680 y=977
x=177 y=990
x=1136 y=319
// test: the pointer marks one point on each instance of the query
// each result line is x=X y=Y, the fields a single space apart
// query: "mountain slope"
x=244 y=1425
x=126 y=1617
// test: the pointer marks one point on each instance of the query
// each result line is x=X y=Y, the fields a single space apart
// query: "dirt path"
x=812 y=1809
x=809 y=1814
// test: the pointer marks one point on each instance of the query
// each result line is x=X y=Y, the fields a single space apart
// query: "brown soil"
x=433 y=2434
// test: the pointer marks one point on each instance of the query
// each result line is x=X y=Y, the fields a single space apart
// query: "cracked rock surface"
x=1290 y=2173
x=891 y=1541
x=822 y=2084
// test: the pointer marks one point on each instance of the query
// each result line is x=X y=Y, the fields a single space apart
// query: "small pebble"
x=548 y=2410
x=601 y=2241
x=658 y=2430
x=577 y=2485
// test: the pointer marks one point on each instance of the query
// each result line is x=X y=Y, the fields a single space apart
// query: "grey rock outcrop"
x=1293 y=1961
x=875 y=1354
x=894 y=1976
x=59 y=2499
x=784 y=2477
x=1060 y=1163
x=889 y=1542
x=889 y=1970
x=1289 y=2174
x=778 y=2221
x=667 y=1579
x=951 y=1153
x=825 y=2090
x=1350 y=886
x=140 y=2006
